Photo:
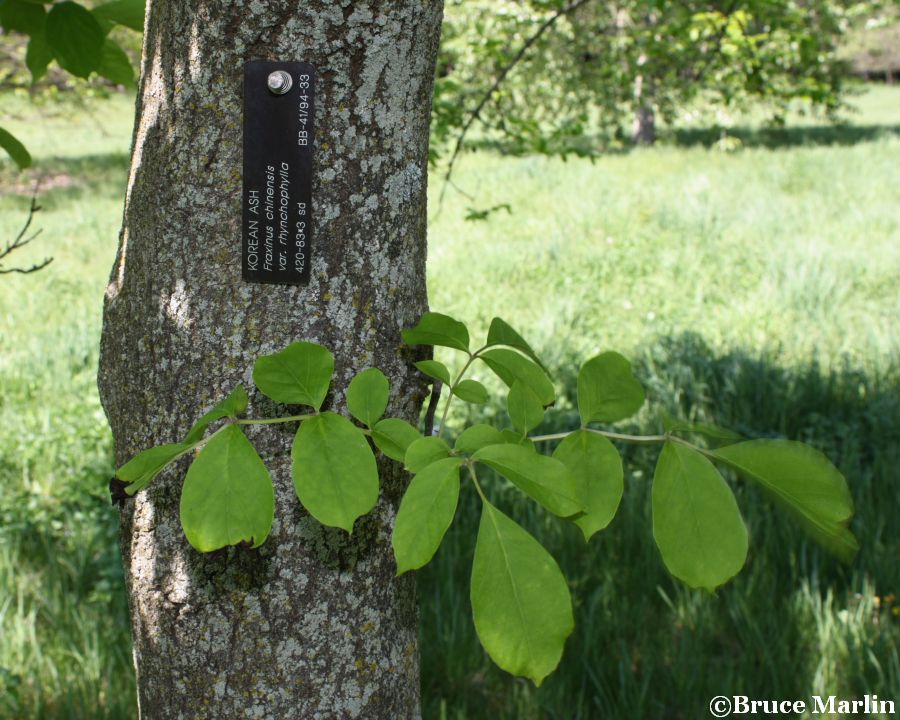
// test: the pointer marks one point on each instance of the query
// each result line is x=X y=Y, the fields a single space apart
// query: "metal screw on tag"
x=279 y=82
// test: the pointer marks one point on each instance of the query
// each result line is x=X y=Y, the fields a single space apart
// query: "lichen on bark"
x=313 y=625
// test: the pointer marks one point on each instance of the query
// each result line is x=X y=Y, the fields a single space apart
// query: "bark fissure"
x=313 y=624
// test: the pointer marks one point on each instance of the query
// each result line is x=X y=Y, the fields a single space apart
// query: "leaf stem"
x=471 y=466
x=472 y=357
x=631 y=439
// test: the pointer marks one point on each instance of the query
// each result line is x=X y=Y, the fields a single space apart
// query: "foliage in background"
x=76 y=38
x=604 y=73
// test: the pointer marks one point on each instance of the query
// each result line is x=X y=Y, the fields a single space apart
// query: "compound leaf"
x=510 y=366
x=596 y=466
x=38 y=55
x=544 y=479
x=435 y=369
x=804 y=481
x=298 y=375
x=129 y=13
x=21 y=16
x=367 y=396
x=524 y=407
x=437 y=329
x=476 y=436
x=607 y=389
x=16 y=149
x=145 y=466
x=696 y=522
x=425 y=513
x=334 y=471
x=424 y=451
x=75 y=37
x=394 y=436
x=227 y=496
x=115 y=65
x=520 y=600
x=471 y=391
x=501 y=333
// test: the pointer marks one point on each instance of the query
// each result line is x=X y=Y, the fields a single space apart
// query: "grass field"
x=756 y=288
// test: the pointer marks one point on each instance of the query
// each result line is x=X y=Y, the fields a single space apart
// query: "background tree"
x=597 y=73
x=314 y=624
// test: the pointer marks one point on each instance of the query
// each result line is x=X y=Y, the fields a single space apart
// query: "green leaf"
x=24 y=17
x=334 y=470
x=232 y=406
x=38 y=56
x=424 y=451
x=696 y=521
x=115 y=65
x=500 y=333
x=146 y=465
x=227 y=498
x=477 y=436
x=129 y=13
x=596 y=466
x=471 y=391
x=510 y=366
x=805 y=482
x=435 y=369
x=298 y=375
x=436 y=329
x=75 y=37
x=367 y=396
x=524 y=407
x=607 y=389
x=511 y=437
x=393 y=437
x=546 y=480
x=425 y=513
x=16 y=150
x=520 y=600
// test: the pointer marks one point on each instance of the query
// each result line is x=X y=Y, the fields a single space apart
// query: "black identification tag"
x=278 y=147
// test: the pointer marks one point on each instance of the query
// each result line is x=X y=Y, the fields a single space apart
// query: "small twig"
x=475 y=114
x=432 y=407
x=21 y=241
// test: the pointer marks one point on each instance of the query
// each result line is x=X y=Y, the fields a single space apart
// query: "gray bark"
x=643 y=129
x=314 y=624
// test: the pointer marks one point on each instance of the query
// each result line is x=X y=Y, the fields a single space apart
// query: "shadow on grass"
x=782 y=137
x=65 y=173
x=764 y=137
x=793 y=623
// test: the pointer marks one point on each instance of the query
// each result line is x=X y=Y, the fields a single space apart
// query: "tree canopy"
x=560 y=76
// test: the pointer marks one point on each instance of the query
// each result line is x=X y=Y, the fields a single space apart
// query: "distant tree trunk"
x=314 y=624
x=643 y=131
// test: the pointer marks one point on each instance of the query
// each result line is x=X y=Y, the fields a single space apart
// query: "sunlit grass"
x=755 y=288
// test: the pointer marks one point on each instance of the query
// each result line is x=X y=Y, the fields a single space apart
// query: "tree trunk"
x=643 y=129
x=643 y=132
x=313 y=624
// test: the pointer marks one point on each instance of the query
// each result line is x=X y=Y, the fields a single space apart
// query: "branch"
x=475 y=114
x=21 y=241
